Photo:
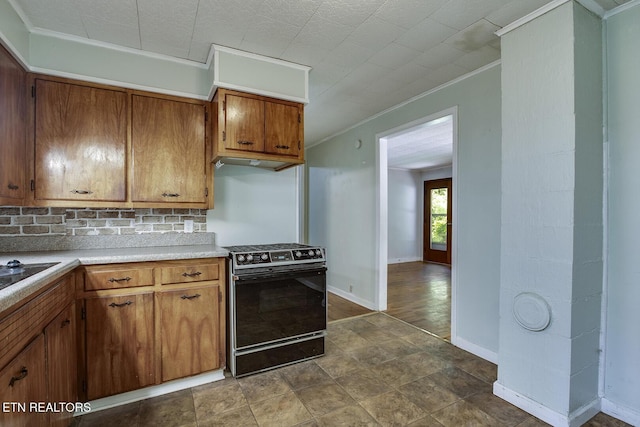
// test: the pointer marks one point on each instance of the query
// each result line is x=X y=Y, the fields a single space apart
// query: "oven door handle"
x=249 y=278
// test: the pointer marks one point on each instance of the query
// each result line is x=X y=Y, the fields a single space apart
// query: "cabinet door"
x=119 y=344
x=169 y=158
x=244 y=123
x=21 y=382
x=80 y=142
x=12 y=130
x=60 y=337
x=189 y=331
x=282 y=124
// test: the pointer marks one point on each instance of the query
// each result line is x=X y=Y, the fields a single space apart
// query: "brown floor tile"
x=338 y=364
x=462 y=413
x=263 y=386
x=427 y=421
x=428 y=395
x=363 y=384
x=532 y=422
x=393 y=409
x=171 y=410
x=352 y=416
x=368 y=331
x=398 y=347
x=325 y=398
x=499 y=409
x=210 y=400
x=305 y=374
x=280 y=411
x=604 y=420
x=479 y=368
x=128 y=414
x=408 y=368
x=459 y=382
x=371 y=355
x=346 y=338
x=235 y=417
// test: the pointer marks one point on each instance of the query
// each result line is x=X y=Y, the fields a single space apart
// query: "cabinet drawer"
x=118 y=278
x=189 y=273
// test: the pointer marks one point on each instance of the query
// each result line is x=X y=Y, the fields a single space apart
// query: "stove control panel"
x=305 y=254
x=278 y=257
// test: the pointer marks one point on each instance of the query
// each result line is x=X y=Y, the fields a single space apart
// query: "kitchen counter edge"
x=68 y=260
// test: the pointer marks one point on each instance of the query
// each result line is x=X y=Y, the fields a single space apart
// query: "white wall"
x=342 y=202
x=254 y=206
x=405 y=216
x=622 y=351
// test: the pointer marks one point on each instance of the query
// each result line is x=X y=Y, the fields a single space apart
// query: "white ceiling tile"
x=425 y=35
x=478 y=58
x=460 y=14
x=123 y=12
x=318 y=32
x=410 y=72
x=474 y=36
x=268 y=48
x=407 y=13
x=446 y=73
x=172 y=39
x=393 y=55
x=349 y=54
x=199 y=51
x=54 y=15
x=291 y=12
x=110 y=32
x=351 y=13
x=221 y=33
x=375 y=33
x=514 y=10
x=303 y=54
x=438 y=56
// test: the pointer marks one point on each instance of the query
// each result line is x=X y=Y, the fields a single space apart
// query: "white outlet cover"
x=188 y=226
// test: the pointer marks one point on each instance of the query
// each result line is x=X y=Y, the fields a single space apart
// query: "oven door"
x=276 y=306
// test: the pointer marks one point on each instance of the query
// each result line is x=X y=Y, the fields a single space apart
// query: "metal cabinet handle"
x=23 y=373
x=65 y=322
x=170 y=195
x=12 y=187
x=123 y=279
x=113 y=304
x=197 y=273
x=283 y=147
x=81 y=192
x=190 y=297
x=245 y=143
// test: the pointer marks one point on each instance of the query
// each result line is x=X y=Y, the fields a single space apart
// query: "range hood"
x=254 y=163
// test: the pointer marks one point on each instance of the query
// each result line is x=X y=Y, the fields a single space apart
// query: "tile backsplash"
x=34 y=221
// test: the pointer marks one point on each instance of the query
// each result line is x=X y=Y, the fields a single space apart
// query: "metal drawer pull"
x=12 y=187
x=170 y=195
x=190 y=297
x=124 y=279
x=81 y=192
x=196 y=274
x=245 y=143
x=284 y=147
x=113 y=304
x=65 y=322
x=23 y=373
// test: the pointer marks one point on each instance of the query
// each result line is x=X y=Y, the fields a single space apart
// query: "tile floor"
x=377 y=371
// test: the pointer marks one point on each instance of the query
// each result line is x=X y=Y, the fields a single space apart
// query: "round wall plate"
x=531 y=311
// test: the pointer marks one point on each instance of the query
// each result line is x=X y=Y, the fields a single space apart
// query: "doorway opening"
x=420 y=151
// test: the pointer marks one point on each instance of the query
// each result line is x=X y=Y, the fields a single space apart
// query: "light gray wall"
x=622 y=369
x=342 y=202
x=254 y=206
x=405 y=215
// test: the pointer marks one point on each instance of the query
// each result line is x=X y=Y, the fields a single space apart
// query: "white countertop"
x=70 y=259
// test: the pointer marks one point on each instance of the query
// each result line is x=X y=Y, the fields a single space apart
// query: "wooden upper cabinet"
x=254 y=127
x=80 y=142
x=282 y=124
x=12 y=130
x=244 y=123
x=169 y=159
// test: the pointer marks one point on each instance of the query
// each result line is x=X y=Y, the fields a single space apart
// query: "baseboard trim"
x=403 y=260
x=153 y=391
x=475 y=349
x=351 y=297
x=623 y=413
x=575 y=419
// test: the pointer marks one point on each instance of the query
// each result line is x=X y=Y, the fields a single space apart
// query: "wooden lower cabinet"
x=189 y=331
x=119 y=344
x=62 y=366
x=23 y=381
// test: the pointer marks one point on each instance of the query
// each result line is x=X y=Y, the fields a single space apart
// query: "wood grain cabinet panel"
x=282 y=124
x=117 y=277
x=189 y=331
x=169 y=151
x=244 y=123
x=22 y=381
x=12 y=130
x=80 y=142
x=119 y=344
x=189 y=273
x=62 y=366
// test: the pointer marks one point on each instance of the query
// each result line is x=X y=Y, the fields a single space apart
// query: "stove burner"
x=16 y=271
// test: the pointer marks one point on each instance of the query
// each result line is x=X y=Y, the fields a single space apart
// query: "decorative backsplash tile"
x=29 y=221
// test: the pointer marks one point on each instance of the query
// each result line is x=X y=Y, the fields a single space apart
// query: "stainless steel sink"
x=15 y=271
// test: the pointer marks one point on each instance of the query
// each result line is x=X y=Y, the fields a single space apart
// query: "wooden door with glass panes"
x=437 y=221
